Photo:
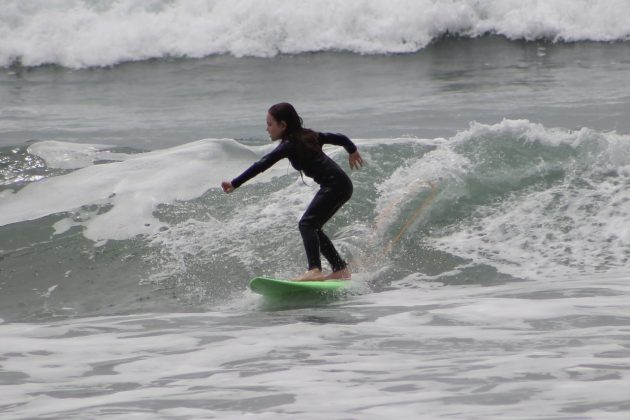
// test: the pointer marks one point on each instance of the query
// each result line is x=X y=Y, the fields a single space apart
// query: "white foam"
x=575 y=225
x=77 y=34
x=434 y=351
x=133 y=187
x=62 y=155
x=128 y=192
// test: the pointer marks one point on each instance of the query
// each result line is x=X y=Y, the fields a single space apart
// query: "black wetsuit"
x=335 y=190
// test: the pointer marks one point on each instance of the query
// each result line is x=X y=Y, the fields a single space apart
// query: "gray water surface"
x=435 y=92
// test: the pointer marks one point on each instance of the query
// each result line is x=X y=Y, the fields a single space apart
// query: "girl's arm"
x=262 y=165
x=355 y=160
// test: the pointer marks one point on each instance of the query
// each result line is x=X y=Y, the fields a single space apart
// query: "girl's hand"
x=227 y=186
x=355 y=160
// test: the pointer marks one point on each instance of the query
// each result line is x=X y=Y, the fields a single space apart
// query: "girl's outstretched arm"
x=262 y=165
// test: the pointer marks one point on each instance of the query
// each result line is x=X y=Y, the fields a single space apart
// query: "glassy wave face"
x=93 y=33
x=513 y=200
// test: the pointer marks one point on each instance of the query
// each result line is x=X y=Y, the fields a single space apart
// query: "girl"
x=303 y=148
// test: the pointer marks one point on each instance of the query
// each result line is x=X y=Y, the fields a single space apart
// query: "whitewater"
x=488 y=230
x=79 y=34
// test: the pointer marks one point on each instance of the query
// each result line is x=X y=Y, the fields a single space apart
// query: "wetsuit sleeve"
x=262 y=165
x=338 y=140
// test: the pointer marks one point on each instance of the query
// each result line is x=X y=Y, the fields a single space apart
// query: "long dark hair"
x=305 y=140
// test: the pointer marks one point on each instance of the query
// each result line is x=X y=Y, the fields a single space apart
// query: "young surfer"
x=303 y=148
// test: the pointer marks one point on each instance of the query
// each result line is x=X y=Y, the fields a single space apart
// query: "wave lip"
x=80 y=34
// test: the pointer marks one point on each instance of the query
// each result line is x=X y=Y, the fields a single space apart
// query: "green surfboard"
x=276 y=288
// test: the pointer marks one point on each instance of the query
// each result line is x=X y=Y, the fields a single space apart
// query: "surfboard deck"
x=271 y=287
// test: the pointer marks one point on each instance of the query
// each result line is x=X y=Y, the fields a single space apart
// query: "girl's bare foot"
x=343 y=274
x=311 y=275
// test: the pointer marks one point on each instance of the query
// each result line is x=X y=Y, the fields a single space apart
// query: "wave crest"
x=79 y=34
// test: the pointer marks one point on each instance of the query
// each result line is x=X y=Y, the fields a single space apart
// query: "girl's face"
x=275 y=128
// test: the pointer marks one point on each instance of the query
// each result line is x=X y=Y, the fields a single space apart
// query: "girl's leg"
x=311 y=245
x=324 y=205
x=329 y=252
x=310 y=224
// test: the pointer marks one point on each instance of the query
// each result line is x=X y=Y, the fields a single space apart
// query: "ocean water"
x=488 y=230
